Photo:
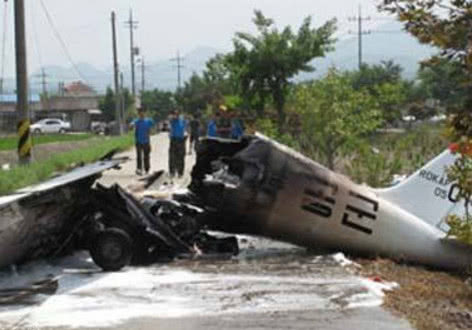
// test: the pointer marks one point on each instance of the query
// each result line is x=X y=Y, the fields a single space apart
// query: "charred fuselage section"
x=258 y=186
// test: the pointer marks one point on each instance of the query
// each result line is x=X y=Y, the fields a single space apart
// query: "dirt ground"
x=429 y=299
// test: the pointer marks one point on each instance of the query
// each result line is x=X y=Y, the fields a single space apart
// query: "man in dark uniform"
x=142 y=130
x=178 y=126
x=194 y=133
x=224 y=123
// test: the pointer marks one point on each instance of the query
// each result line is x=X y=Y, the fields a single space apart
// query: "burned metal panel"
x=35 y=220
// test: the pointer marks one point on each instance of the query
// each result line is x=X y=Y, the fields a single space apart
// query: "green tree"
x=107 y=104
x=384 y=82
x=198 y=93
x=263 y=64
x=391 y=97
x=371 y=76
x=211 y=88
x=442 y=80
x=335 y=117
x=159 y=103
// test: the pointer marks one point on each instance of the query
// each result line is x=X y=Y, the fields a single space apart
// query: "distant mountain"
x=387 y=42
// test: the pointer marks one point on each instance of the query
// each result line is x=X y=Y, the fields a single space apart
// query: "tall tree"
x=159 y=103
x=107 y=104
x=334 y=116
x=442 y=80
x=384 y=82
x=445 y=25
x=263 y=64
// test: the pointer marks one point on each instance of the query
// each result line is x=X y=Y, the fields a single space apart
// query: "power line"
x=61 y=41
x=36 y=39
x=361 y=32
x=179 y=66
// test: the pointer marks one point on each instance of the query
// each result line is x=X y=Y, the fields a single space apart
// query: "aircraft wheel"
x=112 y=249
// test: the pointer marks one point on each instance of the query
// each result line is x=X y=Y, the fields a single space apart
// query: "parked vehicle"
x=98 y=127
x=50 y=126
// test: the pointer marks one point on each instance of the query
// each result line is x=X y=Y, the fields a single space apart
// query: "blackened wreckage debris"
x=72 y=212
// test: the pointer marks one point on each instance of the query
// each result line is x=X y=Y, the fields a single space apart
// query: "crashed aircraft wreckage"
x=261 y=187
x=254 y=185
x=72 y=212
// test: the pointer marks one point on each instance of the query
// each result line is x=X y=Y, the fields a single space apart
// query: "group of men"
x=224 y=125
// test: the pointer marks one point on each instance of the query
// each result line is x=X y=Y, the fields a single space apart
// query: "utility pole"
x=179 y=66
x=44 y=85
x=122 y=97
x=359 y=18
x=23 y=127
x=132 y=25
x=143 y=75
x=118 y=116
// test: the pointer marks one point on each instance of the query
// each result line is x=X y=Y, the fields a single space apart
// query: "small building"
x=8 y=115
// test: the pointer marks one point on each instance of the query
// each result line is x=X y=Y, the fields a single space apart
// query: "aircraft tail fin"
x=427 y=193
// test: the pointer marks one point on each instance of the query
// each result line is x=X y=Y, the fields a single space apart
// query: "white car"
x=50 y=126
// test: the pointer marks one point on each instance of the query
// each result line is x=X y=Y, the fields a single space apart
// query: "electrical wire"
x=35 y=38
x=61 y=41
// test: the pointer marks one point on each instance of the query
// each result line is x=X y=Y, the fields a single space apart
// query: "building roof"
x=78 y=87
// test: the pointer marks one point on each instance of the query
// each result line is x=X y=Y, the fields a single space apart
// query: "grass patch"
x=10 y=142
x=22 y=176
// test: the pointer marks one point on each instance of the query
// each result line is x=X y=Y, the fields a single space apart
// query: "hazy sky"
x=164 y=26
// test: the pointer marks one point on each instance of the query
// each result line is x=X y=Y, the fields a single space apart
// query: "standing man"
x=224 y=123
x=212 y=129
x=142 y=132
x=237 y=127
x=194 y=133
x=178 y=126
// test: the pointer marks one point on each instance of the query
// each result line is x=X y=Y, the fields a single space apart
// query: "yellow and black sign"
x=24 y=142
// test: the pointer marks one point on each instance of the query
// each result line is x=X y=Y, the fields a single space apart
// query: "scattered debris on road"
x=72 y=212
x=25 y=295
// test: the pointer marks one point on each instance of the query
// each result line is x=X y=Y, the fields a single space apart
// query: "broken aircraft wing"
x=32 y=218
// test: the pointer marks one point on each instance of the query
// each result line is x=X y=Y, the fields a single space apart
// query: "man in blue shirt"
x=237 y=127
x=177 y=134
x=212 y=129
x=142 y=132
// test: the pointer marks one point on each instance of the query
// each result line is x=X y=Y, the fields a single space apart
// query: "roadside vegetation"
x=11 y=142
x=21 y=176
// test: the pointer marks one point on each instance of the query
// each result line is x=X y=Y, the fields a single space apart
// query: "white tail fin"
x=427 y=193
